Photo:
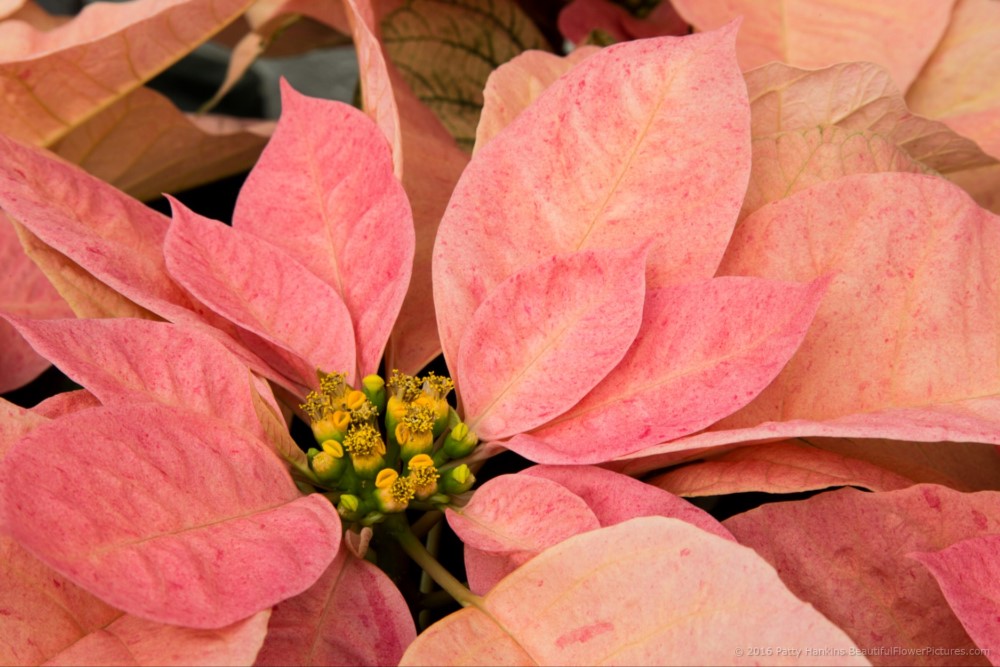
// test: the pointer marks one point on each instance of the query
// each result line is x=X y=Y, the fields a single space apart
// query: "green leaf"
x=446 y=49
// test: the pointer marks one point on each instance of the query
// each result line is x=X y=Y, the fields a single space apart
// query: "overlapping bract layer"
x=817 y=33
x=75 y=86
x=105 y=53
x=942 y=55
x=205 y=526
x=612 y=165
x=505 y=524
x=203 y=511
x=566 y=176
x=125 y=250
x=80 y=629
x=580 y=207
x=851 y=554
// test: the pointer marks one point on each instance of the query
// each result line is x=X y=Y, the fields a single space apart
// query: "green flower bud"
x=456 y=480
x=374 y=388
x=460 y=442
x=327 y=467
x=348 y=505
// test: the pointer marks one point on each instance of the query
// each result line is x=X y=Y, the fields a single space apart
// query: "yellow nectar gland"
x=340 y=419
x=333 y=448
x=355 y=399
x=421 y=461
x=385 y=478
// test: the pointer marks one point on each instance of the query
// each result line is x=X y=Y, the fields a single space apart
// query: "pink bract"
x=565 y=176
x=931 y=233
x=23 y=291
x=967 y=573
x=80 y=629
x=179 y=442
x=316 y=628
x=121 y=360
x=414 y=134
x=185 y=535
x=847 y=553
x=517 y=83
x=498 y=538
x=335 y=222
x=124 y=246
x=567 y=322
x=781 y=467
x=814 y=33
x=703 y=350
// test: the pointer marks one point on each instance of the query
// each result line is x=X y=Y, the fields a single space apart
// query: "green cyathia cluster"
x=381 y=446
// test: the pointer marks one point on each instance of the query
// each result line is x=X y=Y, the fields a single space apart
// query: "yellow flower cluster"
x=375 y=474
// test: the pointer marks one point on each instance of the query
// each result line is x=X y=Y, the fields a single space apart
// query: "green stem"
x=426 y=583
x=433 y=544
x=426 y=522
x=399 y=529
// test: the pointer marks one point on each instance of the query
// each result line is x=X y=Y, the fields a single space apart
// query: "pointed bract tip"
x=287 y=91
x=724 y=34
x=176 y=206
x=730 y=30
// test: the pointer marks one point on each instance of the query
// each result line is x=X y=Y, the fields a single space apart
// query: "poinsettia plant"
x=658 y=276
